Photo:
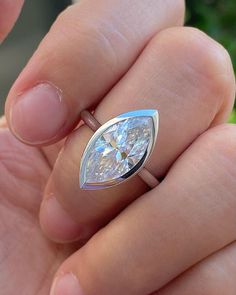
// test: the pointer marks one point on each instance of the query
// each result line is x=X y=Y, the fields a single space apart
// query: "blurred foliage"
x=233 y=117
x=218 y=19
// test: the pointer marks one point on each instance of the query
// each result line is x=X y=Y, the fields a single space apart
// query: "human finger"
x=90 y=46
x=188 y=217
x=9 y=12
x=193 y=88
x=214 y=275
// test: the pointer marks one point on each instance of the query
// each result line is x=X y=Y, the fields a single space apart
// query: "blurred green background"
x=218 y=19
x=215 y=17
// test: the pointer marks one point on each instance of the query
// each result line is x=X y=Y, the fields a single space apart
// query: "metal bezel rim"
x=138 y=113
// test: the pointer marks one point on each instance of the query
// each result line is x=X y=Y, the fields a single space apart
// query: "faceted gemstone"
x=119 y=149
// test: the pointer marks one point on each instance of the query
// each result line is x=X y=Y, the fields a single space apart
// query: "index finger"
x=88 y=49
x=9 y=11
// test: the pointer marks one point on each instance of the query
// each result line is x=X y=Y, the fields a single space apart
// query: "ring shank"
x=89 y=120
x=148 y=178
x=94 y=125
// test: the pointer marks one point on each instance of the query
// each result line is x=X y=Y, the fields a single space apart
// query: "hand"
x=116 y=56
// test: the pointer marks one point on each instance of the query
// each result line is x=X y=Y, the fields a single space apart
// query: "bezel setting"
x=153 y=114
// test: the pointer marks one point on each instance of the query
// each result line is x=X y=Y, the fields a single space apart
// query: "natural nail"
x=67 y=284
x=37 y=115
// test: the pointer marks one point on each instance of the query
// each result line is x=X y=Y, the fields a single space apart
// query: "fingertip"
x=66 y=284
x=38 y=115
x=9 y=12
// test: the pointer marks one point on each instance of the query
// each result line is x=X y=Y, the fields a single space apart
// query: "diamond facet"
x=116 y=151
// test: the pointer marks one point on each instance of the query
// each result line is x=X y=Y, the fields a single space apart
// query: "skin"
x=178 y=238
x=9 y=11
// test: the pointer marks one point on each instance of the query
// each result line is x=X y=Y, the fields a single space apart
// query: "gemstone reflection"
x=119 y=149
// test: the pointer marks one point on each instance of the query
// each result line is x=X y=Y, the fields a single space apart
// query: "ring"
x=119 y=149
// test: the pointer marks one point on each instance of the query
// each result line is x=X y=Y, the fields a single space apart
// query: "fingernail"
x=56 y=222
x=66 y=285
x=38 y=114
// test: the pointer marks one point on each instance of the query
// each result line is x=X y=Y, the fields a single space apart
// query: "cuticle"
x=39 y=82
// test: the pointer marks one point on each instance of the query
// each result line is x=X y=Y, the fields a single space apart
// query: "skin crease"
x=20 y=211
x=164 y=91
x=117 y=43
x=212 y=276
x=190 y=216
x=29 y=260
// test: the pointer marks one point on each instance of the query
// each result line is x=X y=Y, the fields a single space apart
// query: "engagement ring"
x=119 y=149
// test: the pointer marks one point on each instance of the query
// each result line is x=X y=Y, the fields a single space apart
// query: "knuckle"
x=206 y=63
x=176 y=11
x=66 y=13
x=178 y=6
x=173 y=10
x=88 y=35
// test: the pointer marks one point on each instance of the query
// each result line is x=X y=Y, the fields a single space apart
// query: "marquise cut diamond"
x=119 y=149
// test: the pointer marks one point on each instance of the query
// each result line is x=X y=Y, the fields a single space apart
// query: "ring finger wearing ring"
x=69 y=212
